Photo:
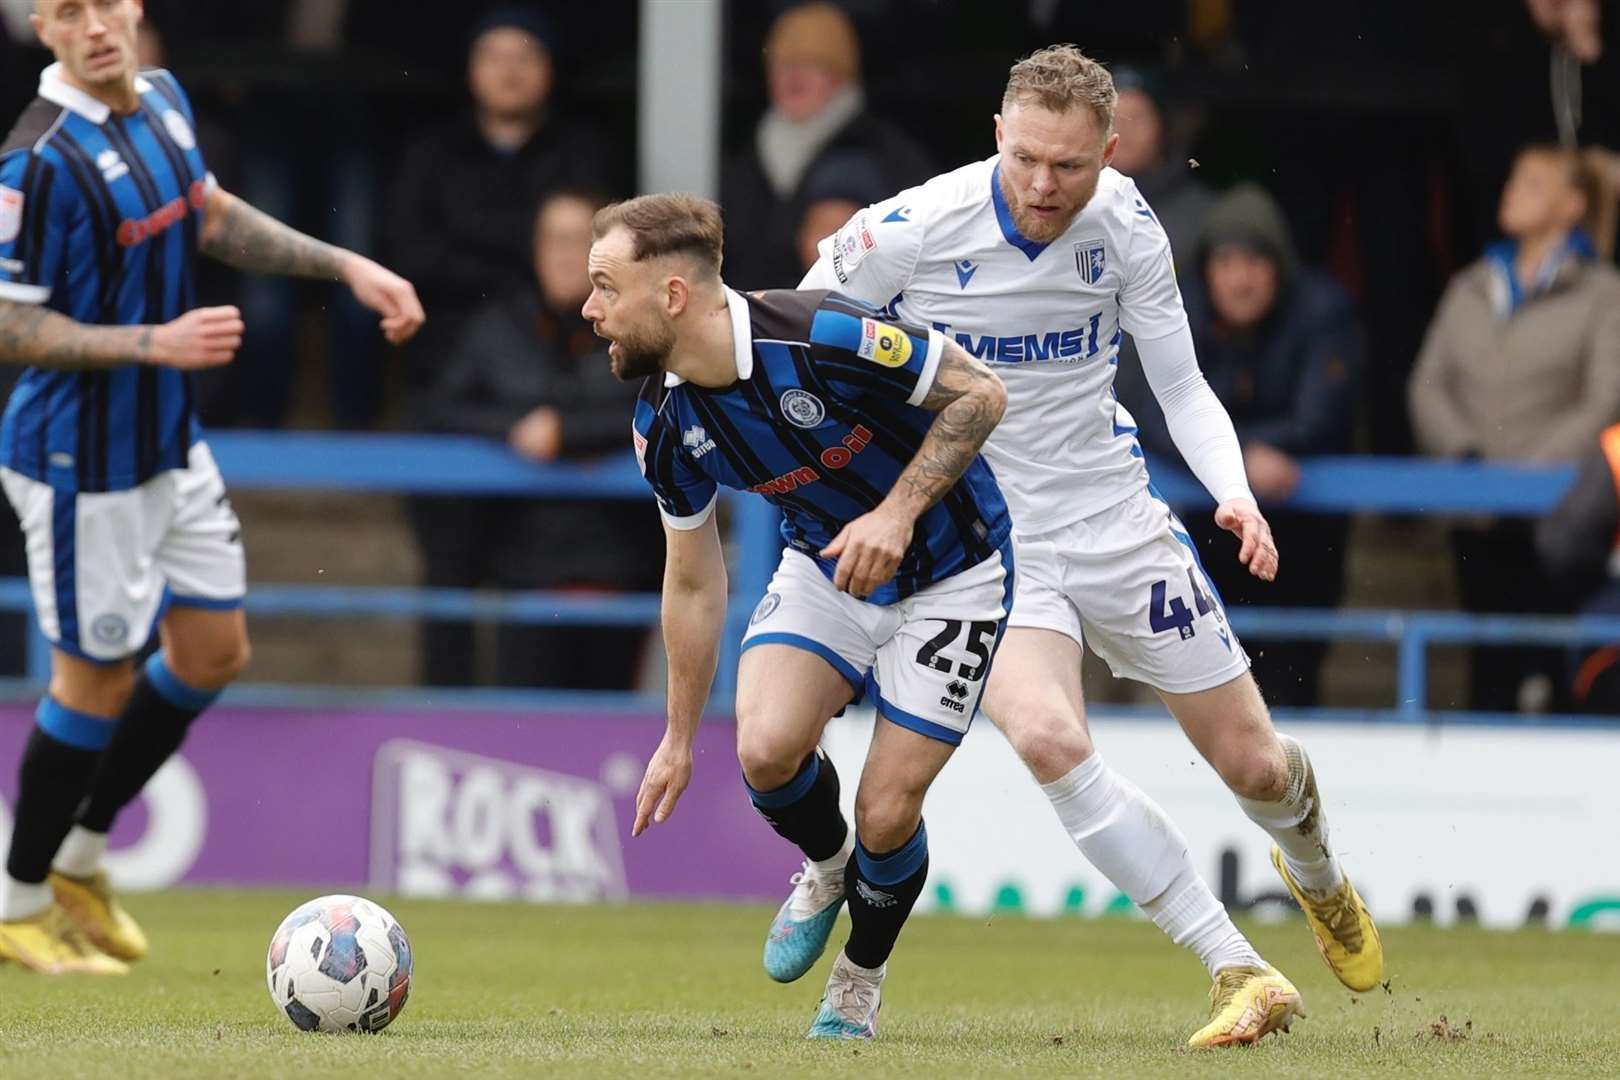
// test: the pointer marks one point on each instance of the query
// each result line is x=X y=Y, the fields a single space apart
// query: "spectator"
x=817 y=109
x=1521 y=364
x=1580 y=557
x=1282 y=349
x=527 y=369
x=840 y=184
x=465 y=194
x=1160 y=169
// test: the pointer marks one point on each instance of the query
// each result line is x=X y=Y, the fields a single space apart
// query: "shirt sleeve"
x=872 y=257
x=686 y=496
x=33 y=225
x=1198 y=422
x=862 y=355
x=1150 y=300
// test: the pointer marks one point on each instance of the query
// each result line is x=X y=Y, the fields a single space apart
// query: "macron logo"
x=965 y=271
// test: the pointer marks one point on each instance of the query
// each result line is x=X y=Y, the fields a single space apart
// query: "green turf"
x=654 y=991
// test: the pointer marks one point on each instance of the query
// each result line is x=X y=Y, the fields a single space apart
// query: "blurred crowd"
x=1395 y=234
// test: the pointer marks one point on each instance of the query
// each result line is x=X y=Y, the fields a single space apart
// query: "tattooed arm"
x=33 y=335
x=969 y=400
x=247 y=238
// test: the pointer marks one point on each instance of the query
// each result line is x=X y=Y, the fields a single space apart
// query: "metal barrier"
x=427 y=465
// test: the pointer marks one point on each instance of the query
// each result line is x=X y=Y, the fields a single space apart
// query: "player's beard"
x=1042 y=230
x=642 y=354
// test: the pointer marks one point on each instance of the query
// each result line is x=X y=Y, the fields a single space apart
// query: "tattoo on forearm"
x=34 y=335
x=249 y=239
x=968 y=400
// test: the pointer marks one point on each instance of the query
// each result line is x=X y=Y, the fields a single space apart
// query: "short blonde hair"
x=1058 y=78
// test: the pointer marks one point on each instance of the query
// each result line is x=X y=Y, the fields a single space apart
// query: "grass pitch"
x=660 y=991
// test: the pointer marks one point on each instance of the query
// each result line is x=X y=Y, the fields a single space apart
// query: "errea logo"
x=696 y=440
x=111 y=165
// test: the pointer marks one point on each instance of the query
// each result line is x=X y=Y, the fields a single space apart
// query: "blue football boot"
x=798 y=935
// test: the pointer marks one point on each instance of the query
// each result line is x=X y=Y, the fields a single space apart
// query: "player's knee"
x=1254 y=772
x=1050 y=741
x=213 y=668
x=885 y=822
x=768 y=759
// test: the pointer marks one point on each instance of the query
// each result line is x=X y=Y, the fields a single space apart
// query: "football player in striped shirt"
x=105 y=202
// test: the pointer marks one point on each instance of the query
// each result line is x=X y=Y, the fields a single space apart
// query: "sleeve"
x=686 y=497
x=1437 y=422
x=1599 y=403
x=1150 y=300
x=1575 y=541
x=1320 y=413
x=863 y=356
x=1197 y=420
x=34 y=218
x=872 y=257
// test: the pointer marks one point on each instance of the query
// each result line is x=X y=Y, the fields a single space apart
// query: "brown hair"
x=1058 y=78
x=667 y=225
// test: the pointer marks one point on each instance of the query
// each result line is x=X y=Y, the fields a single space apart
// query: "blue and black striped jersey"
x=822 y=420
x=99 y=216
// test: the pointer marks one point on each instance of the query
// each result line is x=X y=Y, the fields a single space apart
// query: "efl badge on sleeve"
x=1090 y=261
x=850 y=245
x=11 y=204
x=883 y=344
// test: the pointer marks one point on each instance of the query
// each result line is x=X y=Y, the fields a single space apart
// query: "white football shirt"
x=1047 y=316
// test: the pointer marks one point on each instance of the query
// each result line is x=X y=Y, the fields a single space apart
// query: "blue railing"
x=428 y=465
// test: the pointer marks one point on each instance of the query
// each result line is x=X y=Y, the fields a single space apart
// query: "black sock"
x=51 y=783
x=151 y=728
x=805 y=809
x=881 y=890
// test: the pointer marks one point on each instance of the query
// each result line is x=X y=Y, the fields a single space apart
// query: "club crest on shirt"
x=179 y=130
x=11 y=205
x=1090 y=260
x=802 y=408
x=883 y=344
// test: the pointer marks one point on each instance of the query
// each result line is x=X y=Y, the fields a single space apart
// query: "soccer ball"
x=339 y=963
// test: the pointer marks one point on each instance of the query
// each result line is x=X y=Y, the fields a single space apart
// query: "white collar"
x=742 y=338
x=57 y=90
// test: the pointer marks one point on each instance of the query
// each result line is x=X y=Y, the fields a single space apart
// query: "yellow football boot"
x=1246 y=1004
x=52 y=944
x=91 y=904
x=1344 y=932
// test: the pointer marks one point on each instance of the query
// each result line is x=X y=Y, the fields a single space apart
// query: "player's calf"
x=805 y=811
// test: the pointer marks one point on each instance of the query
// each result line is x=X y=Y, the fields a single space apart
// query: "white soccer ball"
x=339 y=963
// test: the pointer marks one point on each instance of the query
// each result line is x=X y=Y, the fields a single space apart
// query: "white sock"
x=19 y=900
x=1195 y=920
x=80 y=854
x=1128 y=837
x=1298 y=823
x=834 y=865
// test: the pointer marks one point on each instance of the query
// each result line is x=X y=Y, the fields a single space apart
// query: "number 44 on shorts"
x=1166 y=612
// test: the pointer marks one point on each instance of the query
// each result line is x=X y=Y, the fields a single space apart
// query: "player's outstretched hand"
x=1256 y=549
x=389 y=295
x=668 y=773
x=201 y=338
x=869 y=550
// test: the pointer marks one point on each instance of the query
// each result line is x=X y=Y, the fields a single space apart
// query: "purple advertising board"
x=493 y=804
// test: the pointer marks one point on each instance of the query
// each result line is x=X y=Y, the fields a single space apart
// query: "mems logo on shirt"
x=883 y=344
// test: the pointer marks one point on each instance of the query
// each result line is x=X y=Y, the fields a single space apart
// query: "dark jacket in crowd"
x=1181 y=202
x=761 y=252
x=1290 y=381
x=513 y=356
x=460 y=224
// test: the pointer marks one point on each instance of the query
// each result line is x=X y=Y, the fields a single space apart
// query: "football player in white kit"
x=1037 y=260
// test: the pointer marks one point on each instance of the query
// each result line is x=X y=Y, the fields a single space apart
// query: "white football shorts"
x=922 y=661
x=104 y=565
x=1127 y=582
